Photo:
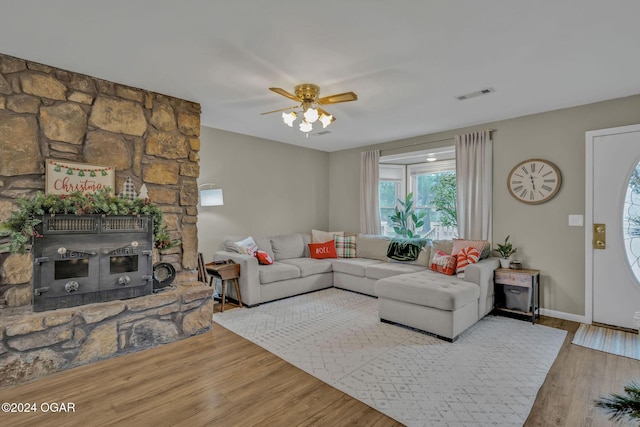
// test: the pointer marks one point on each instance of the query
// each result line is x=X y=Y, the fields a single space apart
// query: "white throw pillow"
x=318 y=236
x=247 y=246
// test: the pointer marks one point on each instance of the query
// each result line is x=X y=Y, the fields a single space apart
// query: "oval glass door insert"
x=631 y=223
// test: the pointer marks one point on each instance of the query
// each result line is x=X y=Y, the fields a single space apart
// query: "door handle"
x=599 y=236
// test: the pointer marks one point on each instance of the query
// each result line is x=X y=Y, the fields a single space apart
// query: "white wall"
x=269 y=188
x=540 y=232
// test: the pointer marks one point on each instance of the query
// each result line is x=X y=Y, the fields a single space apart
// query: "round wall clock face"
x=534 y=181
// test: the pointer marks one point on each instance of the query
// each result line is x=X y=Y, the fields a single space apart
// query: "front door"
x=613 y=225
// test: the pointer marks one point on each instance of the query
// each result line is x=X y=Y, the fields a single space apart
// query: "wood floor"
x=220 y=379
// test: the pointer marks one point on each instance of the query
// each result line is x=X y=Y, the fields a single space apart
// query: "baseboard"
x=564 y=316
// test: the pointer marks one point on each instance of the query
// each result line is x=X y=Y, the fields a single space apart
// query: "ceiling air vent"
x=324 y=132
x=474 y=94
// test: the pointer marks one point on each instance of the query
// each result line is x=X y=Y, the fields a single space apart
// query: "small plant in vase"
x=505 y=250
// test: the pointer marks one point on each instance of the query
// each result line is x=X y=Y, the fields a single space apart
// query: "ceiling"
x=407 y=60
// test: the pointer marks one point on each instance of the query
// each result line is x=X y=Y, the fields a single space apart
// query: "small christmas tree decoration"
x=69 y=171
x=128 y=190
x=144 y=194
x=57 y=168
x=92 y=173
x=81 y=173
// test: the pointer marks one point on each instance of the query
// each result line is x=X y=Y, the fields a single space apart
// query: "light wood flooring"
x=221 y=379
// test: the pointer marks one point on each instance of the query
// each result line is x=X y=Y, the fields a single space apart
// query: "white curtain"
x=474 y=171
x=369 y=202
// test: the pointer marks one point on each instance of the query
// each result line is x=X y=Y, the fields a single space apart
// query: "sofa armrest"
x=249 y=280
x=481 y=273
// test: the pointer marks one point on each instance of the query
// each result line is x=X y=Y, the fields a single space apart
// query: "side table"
x=225 y=272
x=527 y=279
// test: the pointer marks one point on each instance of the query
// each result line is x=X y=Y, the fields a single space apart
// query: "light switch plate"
x=576 y=220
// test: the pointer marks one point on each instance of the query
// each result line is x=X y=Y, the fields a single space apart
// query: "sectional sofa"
x=409 y=293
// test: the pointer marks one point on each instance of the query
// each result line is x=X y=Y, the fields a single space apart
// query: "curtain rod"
x=423 y=143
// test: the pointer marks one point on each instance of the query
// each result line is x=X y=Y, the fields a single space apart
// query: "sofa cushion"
x=372 y=246
x=388 y=269
x=309 y=266
x=429 y=289
x=353 y=266
x=287 y=246
x=277 y=272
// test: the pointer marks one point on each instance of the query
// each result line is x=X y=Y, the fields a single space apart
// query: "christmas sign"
x=66 y=177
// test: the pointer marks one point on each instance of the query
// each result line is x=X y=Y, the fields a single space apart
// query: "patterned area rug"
x=608 y=340
x=489 y=376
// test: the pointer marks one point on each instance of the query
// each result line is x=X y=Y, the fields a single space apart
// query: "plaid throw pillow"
x=345 y=246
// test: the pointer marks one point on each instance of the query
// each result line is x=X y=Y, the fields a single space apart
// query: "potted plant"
x=505 y=250
x=622 y=407
x=405 y=220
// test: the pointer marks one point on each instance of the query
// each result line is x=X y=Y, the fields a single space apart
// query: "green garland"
x=20 y=226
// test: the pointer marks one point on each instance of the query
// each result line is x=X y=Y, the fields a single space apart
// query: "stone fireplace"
x=153 y=139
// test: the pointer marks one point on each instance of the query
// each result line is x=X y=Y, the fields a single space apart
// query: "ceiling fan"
x=307 y=96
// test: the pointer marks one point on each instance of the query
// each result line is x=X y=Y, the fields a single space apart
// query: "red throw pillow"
x=467 y=256
x=444 y=263
x=323 y=250
x=263 y=257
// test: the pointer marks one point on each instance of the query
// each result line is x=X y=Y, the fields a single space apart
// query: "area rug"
x=608 y=340
x=489 y=376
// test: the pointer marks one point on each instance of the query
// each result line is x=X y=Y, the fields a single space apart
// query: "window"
x=433 y=185
x=391 y=187
x=434 y=191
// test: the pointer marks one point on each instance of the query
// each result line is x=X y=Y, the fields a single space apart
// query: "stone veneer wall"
x=42 y=343
x=46 y=112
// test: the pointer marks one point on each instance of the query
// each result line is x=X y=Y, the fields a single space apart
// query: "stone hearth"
x=37 y=344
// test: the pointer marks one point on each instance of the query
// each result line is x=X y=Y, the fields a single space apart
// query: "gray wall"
x=540 y=232
x=269 y=188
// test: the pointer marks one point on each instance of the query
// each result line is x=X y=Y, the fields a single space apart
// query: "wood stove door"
x=60 y=271
x=124 y=267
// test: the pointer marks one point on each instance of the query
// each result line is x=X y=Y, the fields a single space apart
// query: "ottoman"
x=440 y=305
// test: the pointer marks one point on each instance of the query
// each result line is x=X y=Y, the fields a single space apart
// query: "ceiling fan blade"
x=340 y=97
x=281 y=109
x=284 y=93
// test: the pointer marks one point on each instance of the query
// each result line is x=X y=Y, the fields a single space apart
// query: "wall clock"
x=534 y=181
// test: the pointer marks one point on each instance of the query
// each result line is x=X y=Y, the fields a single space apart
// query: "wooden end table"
x=225 y=272
x=525 y=278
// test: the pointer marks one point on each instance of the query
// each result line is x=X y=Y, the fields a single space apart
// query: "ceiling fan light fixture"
x=305 y=126
x=326 y=119
x=289 y=118
x=310 y=106
x=311 y=115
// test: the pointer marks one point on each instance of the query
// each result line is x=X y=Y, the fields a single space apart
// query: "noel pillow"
x=443 y=263
x=323 y=250
x=465 y=257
